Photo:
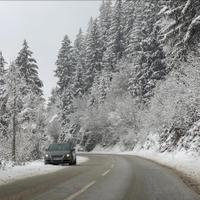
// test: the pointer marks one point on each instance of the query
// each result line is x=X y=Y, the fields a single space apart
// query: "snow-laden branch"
x=187 y=5
x=194 y=27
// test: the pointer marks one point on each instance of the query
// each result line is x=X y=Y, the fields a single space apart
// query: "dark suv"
x=60 y=153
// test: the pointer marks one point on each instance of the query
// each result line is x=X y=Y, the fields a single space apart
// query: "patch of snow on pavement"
x=31 y=169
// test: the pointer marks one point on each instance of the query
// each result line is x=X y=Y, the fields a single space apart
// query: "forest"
x=131 y=80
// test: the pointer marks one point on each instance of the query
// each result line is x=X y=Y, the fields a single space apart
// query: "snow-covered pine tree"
x=129 y=15
x=148 y=54
x=140 y=18
x=2 y=76
x=79 y=48
x=134 y=35
x=14 y=103
x=79 y=84
x=103 y=87
x=184 y=29
x=3 y=98
x=28 y=118
x=115 y=47
x=65 y=65
x=79 y=54
x=66 y=109
x=93 y=55
x=99 y=89
x=28 y=70
x=65 y=72
x=152 y=69
x=105 y=22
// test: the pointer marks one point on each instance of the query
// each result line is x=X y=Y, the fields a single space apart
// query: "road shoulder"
x=31 y=169
x=192 y=183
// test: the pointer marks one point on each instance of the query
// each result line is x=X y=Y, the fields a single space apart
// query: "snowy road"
x=103 y=177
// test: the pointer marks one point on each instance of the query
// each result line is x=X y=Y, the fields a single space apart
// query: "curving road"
x=103 y=177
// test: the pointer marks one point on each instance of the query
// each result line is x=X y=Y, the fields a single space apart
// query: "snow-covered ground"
x=11 y=174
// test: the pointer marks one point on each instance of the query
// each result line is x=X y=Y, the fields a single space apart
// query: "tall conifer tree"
x=28 y=70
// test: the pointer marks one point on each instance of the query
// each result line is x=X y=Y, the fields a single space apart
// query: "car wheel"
x=46 y=162
x=72 y=162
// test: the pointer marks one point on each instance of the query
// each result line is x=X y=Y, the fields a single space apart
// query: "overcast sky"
x=43 y=24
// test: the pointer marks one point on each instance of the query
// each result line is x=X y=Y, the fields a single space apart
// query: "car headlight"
x=46 y=156
x=67 y=155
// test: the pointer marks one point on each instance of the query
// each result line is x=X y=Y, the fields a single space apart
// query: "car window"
x=59 y=147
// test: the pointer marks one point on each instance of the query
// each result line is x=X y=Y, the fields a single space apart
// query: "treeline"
x=132 y=79
x=22 y=111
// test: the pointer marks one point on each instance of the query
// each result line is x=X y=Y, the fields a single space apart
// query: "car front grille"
x=57 y=157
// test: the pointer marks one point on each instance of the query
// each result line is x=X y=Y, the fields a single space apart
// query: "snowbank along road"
x=102 y=177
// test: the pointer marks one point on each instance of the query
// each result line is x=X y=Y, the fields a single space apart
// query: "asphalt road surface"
x=103 y=177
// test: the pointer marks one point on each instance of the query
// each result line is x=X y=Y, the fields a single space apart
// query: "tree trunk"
x=14 y=138
x=14 y=118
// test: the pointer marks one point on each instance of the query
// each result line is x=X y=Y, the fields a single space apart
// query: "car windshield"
x=59 y=147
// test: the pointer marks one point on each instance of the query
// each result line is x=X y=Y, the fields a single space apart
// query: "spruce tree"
x=79 y=54
x=93 y=55
x=115 y=48
x=129 y=14
x=152 y=67
x=28 y=70
x=2 y=76
x=14 y=103
x=66 y=109
x=65 y=73
x=102 y=90
x=79 y=49
x=105 y=22
x=79 y=84
x=65 y=65
x=183 y=31
x=3 y=98
x=145 y=50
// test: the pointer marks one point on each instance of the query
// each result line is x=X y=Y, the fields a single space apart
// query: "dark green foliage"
x=93 y=58
x=28 y=70
x=115 y=46
x=65 y=73
x=65 y=65
x=79 y=55
x=151 y=69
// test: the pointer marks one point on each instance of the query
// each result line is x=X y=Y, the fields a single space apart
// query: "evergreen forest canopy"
x=132 y=80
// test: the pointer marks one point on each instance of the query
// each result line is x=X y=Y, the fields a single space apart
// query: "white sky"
x=43 y=24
